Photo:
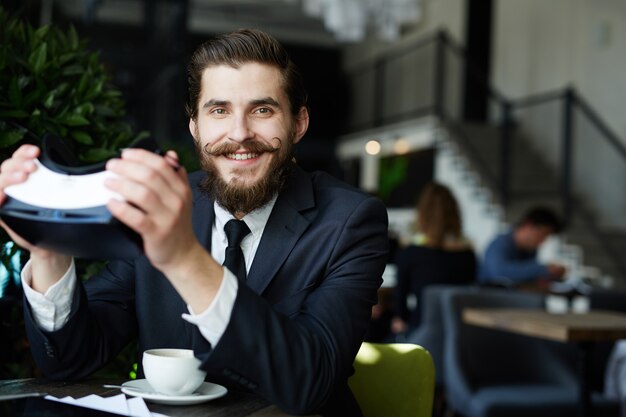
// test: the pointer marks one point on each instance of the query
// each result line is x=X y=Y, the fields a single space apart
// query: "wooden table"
x=233 y=404
x=584 y=329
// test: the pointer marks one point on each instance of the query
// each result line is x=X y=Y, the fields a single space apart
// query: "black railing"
x=440 y=94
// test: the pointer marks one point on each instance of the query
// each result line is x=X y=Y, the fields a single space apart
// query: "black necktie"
x=235 y=230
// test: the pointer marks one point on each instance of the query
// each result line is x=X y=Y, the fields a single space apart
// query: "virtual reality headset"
x=62 y=207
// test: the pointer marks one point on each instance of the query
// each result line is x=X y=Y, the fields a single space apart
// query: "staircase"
x=476 y=147
x=558 y=150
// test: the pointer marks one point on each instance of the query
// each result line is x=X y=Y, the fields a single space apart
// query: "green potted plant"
x=51 y=83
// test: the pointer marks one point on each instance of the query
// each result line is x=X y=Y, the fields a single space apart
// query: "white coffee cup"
x=172 y=371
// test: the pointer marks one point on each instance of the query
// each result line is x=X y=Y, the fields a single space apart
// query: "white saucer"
x=141 y=388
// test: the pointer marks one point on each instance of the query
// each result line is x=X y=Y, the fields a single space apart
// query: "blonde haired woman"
x=437 y=254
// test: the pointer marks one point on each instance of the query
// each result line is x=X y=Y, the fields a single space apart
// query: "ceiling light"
x=372 y=147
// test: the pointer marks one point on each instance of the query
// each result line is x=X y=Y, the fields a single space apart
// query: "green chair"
x=396 y=379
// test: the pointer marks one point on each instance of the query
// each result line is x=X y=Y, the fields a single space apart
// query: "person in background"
x=511 y=258
x=286 y=318
x=437 y=254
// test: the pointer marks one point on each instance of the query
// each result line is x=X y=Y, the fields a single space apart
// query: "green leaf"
x=15 y=93
x=12 y=26
x=22 y=62
x=23 y=81
x=51 y=126
x=84 y=109
x=141 y=135
x=19 y=32
x=104 y=111
x=82 y=137
x=74 y=120
x=60 y=89
x=94 y=60
x=14 y=114
x=48 y=100
x=32 y=98
x=42 y=32
x=82 y=84
x=60 y=39
x=73 y=38
x=65 y=58
x=95 y=89
x=11 y=137
x=98 y=154
x=109 y=94
x=61 y=114
x=73 y=70
x=37 y=58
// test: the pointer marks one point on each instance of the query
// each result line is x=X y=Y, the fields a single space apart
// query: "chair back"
x=395 y=379
x=475 y=357
x=430 y=333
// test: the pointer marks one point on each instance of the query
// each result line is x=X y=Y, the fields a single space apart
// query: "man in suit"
x=289 y=323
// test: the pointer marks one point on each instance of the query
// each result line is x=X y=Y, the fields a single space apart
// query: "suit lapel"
x=203 y=214
x=284 y=227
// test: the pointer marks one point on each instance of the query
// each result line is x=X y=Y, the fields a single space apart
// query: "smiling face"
x=244 y=131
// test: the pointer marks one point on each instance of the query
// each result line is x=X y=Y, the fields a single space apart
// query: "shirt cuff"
x=52 y=309
x=212 y=322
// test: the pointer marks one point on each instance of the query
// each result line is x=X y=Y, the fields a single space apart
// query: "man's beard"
x=235 y=196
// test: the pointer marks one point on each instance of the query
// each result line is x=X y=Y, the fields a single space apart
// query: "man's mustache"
x=252 y=146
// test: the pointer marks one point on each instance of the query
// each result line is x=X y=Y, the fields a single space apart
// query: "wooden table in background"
x=233 y=404
x=584 y=329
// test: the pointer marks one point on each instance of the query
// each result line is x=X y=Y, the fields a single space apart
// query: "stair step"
x=533 y=183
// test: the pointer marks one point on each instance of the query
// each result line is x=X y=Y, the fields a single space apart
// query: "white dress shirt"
x=51 y=310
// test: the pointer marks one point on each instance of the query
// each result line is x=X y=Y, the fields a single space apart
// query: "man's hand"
x=16 y=170
x=158 y=206
x=48 y=267
x=556 y=271
x=398 y=325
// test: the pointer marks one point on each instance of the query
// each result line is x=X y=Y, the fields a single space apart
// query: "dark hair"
x=542 y=216
x=238 y=48
x=438 y=214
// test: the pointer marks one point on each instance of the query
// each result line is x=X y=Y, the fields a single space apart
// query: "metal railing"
x=560 y=125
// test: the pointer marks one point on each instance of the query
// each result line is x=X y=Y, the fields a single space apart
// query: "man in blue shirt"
x=511 y=258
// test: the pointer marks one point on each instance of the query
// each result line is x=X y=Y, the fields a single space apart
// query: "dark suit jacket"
x=295 y=328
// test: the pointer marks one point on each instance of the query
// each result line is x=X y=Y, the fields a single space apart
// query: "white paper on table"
x=118 y=404
x=67 y=400
x=137 y=407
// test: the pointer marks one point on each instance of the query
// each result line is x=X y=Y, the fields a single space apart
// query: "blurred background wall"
x=535 y=46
